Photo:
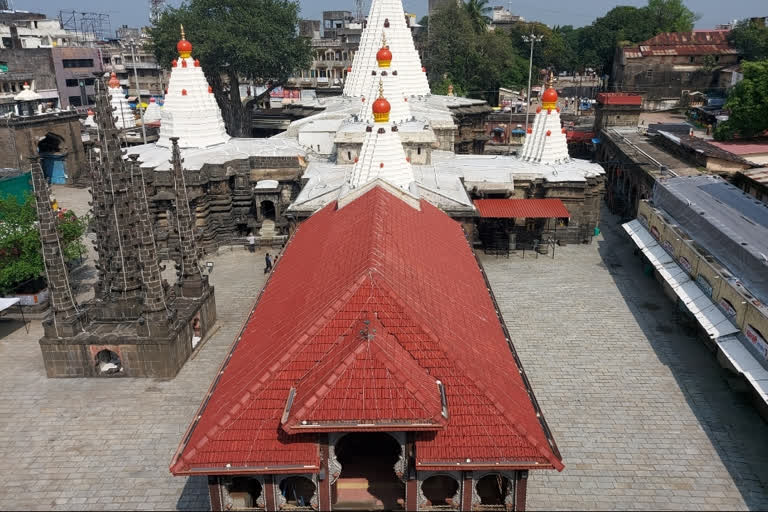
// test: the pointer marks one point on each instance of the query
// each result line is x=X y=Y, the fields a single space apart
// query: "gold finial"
x=381 y=88
x=182 y=32
x=384 y=40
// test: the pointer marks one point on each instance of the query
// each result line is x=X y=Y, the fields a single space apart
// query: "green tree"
x=747 y=103
x=478 y=12
x=236 y=39
x=751 y=39
x=21 y=259
x=476 y=64
x=670 y=16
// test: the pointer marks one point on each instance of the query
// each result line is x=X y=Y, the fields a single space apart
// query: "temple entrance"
x=52 y=158
x=493 y=491
x=268 y=210
x=368 y=480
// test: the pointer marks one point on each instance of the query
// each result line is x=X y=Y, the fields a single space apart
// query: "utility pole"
x=138 y=90
x=533 y=39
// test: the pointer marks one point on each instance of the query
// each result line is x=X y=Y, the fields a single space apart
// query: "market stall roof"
x=522 y=209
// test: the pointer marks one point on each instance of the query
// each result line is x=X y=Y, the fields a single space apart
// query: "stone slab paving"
x=640 y=409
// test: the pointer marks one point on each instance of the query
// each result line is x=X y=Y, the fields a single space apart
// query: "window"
x=3 y=67
x=76 y=101
x=7 y=42
x=691 y=59
x=74 y=82
x=77 y=63
x=649 y=74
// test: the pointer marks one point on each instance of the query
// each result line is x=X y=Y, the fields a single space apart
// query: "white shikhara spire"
x=122 y=110
x=190 y=111
x=390 y=78
x=387 y=19
x=382 y=156
x=153 y=112
x=545 y=141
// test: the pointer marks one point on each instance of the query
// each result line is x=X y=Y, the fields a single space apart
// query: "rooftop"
x=393 y=289
x=698 y=42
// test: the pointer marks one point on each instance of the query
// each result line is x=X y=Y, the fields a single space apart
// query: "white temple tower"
x=382 y=156
x=153 y=112
x=122 y=110
x=546 y=141
x=387 y=20
x=390 y=78
x=190 y=111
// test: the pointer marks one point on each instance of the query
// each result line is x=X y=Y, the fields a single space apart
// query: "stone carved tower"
x=118 y=241
x=191 y=281
x=64 y=314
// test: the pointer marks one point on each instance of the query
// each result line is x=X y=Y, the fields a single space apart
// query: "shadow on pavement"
x=728 y=418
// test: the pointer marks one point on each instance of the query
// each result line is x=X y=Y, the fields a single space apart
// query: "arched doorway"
x=52 y=158
x=267 y=210
x=493 y=491
x=297 y=492
x=245 y=492
x=108 y=363
x=368 y=480
x=439 y=490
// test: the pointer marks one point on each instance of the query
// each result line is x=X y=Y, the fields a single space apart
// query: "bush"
x=21 y=258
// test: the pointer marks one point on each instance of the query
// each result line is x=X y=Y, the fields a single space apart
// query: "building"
x=366 y=397
x=333 y=50
x=76 y=70
x=503 y=19
x=707 y=243
x=669 y=66
x=21 y=29
x=118 y=57
x=753 y=182
x=136 y=325
x=32 y=66
x=54 y=137
x=614 y=109
x=754 y=150
x=434 y=4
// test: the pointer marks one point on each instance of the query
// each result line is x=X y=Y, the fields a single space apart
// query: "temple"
x=137 y=325
x=120 y=105
x=153 y=113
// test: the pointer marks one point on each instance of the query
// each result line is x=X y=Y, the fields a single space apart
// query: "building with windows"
x=21 y=29
x=669 y=66
x=76 y=69
x=32 y=66
x=118 y=57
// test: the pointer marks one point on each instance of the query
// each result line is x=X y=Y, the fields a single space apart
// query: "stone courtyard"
x=641 y=411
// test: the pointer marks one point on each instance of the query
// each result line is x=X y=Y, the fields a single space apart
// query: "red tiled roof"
x=413 y=275
x=698 y=42
x=619 y=98
x=522 y=208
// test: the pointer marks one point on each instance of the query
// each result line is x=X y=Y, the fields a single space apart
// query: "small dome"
x=549 y=96
x=381 y=107
x=184 y=47
x=151 y=100
x=90 y=112
x=384 y=57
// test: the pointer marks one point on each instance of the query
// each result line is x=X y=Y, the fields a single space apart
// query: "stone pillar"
x=63 y=307
x=191 y=282
x=521 y=490
x=467 y=494
x=155 y=309
x=102 y=225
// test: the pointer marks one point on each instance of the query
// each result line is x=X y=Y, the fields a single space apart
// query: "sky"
x=552 y=12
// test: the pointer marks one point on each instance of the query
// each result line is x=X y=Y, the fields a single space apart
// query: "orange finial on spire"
x=381 y=106
x=549 y=98
x=184 y=47
x=113 y=83
x=384 y=55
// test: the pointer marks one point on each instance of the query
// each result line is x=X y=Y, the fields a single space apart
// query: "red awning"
x=522 y=209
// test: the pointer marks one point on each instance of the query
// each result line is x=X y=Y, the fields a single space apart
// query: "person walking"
x=268 y=261
x=251 y=242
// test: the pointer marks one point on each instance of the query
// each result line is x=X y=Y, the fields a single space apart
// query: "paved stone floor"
x=640 y=410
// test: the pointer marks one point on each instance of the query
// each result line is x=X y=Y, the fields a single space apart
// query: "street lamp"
x=138 y=89
x=533 y=39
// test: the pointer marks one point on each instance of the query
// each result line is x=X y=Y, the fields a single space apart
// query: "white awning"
x=698 y=303
x=6 y=303
x=746 y=364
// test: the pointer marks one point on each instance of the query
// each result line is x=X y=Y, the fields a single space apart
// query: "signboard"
x=704 y=284
x=685 y=264
x=730 y=311
x=655 y=232
x=667 y=245
x=757 y=340
x=281 y=92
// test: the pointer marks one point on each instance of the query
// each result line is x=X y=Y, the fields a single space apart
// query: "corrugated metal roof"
x=759 y=175
x=699 y=42
x=522 y=209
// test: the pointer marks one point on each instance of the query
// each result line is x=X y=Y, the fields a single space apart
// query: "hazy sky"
x=551 y=12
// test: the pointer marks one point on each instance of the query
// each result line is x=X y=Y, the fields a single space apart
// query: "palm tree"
x=478 y=11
